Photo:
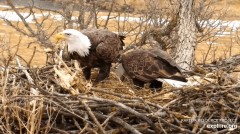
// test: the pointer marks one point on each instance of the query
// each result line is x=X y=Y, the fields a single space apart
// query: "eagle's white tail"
x=173 y=83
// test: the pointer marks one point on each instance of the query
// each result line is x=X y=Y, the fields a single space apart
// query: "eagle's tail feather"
x=174 y=83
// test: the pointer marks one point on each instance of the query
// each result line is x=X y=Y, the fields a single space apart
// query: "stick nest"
x=57 y=99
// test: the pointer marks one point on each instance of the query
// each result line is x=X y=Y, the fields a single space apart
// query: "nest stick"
x=89 y=111
x=64 y=64
x=120 y=122
x=30 y=80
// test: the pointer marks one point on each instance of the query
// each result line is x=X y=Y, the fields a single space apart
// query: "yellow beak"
x=59 y=36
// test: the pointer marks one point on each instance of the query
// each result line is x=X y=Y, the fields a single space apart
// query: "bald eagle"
x=152 y=66
x=93 y=48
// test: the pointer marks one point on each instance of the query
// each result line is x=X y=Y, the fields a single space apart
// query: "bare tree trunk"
x=185 y=49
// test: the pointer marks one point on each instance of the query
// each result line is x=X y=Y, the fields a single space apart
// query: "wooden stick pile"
x=56 y=99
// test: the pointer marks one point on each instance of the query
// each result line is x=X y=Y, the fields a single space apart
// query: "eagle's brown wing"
x=175 y=70
x=107 y=44
x=147 y=65
x=164 y=56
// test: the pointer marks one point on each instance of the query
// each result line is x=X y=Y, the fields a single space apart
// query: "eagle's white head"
x=76 y=41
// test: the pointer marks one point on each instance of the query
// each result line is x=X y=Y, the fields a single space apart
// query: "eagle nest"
x=56 y=99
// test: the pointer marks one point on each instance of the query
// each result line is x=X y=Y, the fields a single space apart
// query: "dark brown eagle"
x=93 y=48
x=152 y=66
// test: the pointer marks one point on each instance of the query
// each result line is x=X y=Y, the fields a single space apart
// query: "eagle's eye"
x=68 y=34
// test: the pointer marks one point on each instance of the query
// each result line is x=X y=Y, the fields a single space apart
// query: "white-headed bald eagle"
x=93 y=48
x=152 y=66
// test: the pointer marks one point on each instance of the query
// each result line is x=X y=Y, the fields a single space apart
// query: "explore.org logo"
x=215 y=123
x=222 y=126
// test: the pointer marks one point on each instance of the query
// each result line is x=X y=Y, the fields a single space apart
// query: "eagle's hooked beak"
x=59 y=36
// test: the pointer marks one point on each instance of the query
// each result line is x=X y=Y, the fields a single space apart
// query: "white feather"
x=173 y=83
x=119 y=70
x=77 y=42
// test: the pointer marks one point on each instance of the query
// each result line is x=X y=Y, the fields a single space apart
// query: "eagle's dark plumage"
x=150 y=66
x=93 y=48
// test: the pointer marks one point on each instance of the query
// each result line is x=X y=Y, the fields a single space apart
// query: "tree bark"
x=185 y=47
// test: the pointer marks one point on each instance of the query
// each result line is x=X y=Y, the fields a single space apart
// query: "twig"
x=32 y=56
x=59 y=130
x=122 y=106
x=33 y=113
x=120 y=122
x=84 y=128
x=30 y=80
x=196 y=124
x=89 y=111
x=202 y=128
x=105 y=91
x=64 y=64
x=4 y=101
x=160 y=124
x=109 y=117
x=86 y=124
x=67 y=109
x=77 y=124
x=236 y=111
x=162 y=93
x=9 y=2
x=176 y=127
x=233 y=97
